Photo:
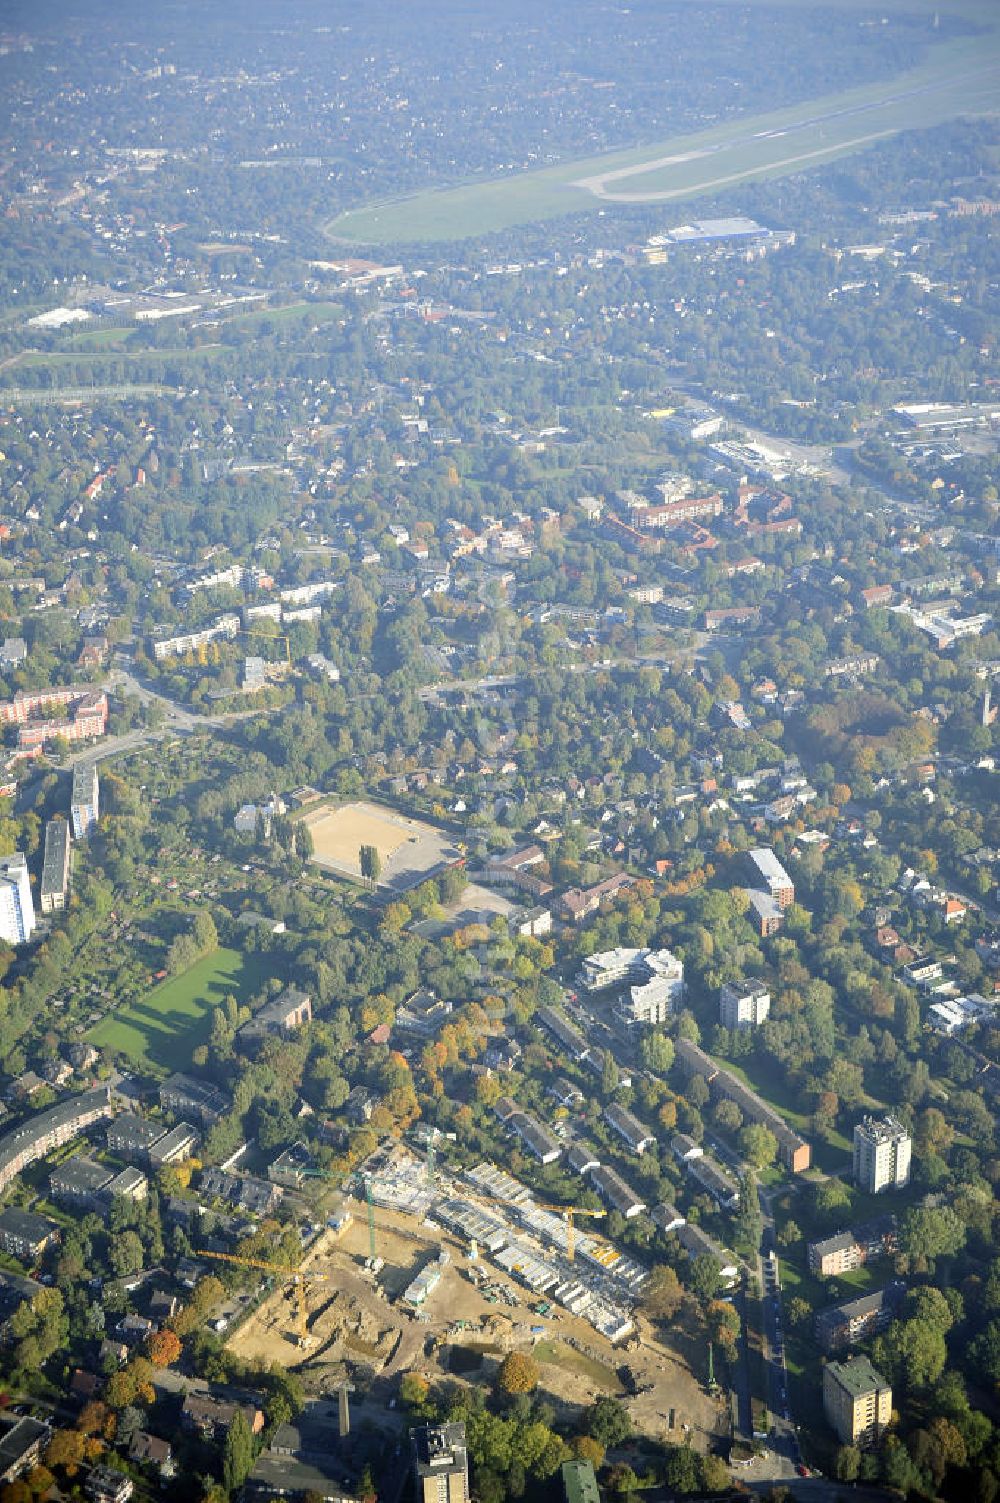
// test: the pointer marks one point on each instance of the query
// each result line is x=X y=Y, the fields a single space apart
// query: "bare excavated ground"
x=359 y=1327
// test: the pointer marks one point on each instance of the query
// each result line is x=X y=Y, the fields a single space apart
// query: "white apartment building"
x=85 y=805
x=652 y=982
x=226 y=627
x=773 y=875
x=17 y=911
x=743 y=1004
x=882 y=1148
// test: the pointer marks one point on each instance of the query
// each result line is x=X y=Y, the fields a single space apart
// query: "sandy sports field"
x=410 y=850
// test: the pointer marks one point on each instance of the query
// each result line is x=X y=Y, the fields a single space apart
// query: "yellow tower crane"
x=568 y=1213
x=301 y=1279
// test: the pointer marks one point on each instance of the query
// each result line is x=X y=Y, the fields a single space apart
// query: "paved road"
x=177 y=721
x=822 y=1490
x=784 y=1436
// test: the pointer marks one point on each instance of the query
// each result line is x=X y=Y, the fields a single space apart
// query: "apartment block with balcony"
x=17 y=910
x=743 y=1004
x=85 y=800
x=773 y=876
x=882 y=1148
x=855 y=1248
x=857 y=1401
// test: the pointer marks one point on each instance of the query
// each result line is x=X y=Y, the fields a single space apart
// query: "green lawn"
x=175 y=1017
x=322 y=312
x=771 y=1086
x=100 y=340
x=958 y=77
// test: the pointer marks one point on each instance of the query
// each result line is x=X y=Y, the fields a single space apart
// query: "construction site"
x=424 y=1271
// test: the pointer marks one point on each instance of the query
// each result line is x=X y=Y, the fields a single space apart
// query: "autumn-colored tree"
x=164 y=1348
x=40 y=1480
x=723 y=1324
x=91 y=1417
x=16 y=1492
x=133 y=1384
x=586 y=1448
x=395 y=919
x=65 y=1449
x=517 y=1373
x=173 y=1179
x=488 y=1090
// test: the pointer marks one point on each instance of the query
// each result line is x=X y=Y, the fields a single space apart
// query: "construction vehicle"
x=301 y=1279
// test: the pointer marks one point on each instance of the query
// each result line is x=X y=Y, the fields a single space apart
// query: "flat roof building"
x=857 y=1401
x=85 y=800
x=767 y=911
x=17 y=910
x=743 y=1004
x=882 y=1148
x=773 y=875
x=651 y=981
x=24 y=1235
x=55 y=866
x=440 y=1463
